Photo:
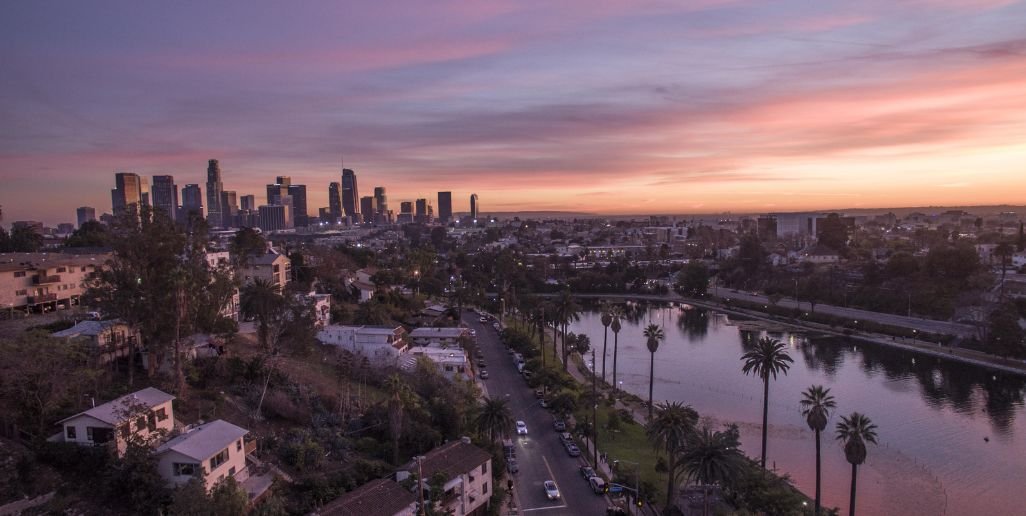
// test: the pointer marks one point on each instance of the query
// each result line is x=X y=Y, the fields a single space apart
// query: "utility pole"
x=420 y=484
x=594 y=409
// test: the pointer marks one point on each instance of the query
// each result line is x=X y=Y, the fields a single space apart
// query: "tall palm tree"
x=616 y=314
x=855 y=431
x=768 y=358
x=494 y=418
x=816 y=404
x=669 y=431
x=607 y=319
x=568 y=312
x=712 y=458
x=653 y=333
x=400 y=396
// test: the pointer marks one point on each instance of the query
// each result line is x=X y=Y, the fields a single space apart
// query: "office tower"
x=127 y=192
x=422 y=208
x=298 y=194
x=334 y=201
x=406 y=207
x=277 y=217
x=248 y=202
x=369 y=208
x=229 y=208
x=381 y=200
x=444 y=207
x=351 y=199
x=192 y=202
x=214 y=189
x=65 y=228
x=474 y=206
x=144 y=191
x=324 y=216
x=85 y=214
x=165 y=195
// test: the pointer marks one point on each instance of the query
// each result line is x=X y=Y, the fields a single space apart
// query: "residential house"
x=221 y=260
x=145 y=415
x=45 y=281
x=451 y=361
x=382 y=345
x=438 y=337
x=820 y=254
x=381 y=497
x=106 y=340
x=467 y=470
x=362 y=282
x=216 y=449
x=271 y=266
x=321 y=304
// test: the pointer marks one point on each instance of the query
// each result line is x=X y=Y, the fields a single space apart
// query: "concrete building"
x=248 y=202
x=45 y=281
x=300 y=217
x=334 y=202
x=369 y=208
x=192 y=202
x=229 y=208
x=382 y=345
x=144 y=416
x=105 y=340
x=438 y=337
x=380 y=200
x=85 y=214
x=275 y=217
x=474 y=206
x=468 y=472
x=127 y=192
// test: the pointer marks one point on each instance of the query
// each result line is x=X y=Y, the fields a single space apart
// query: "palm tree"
x=607 y=319
x=855 y=431
x=616 y=313
x=568 y=312
x=669 y=431
x=494 y=418
x=816 y=404
x=712 y=458
x=654 y=334
x=400 y=396
x=767 y=359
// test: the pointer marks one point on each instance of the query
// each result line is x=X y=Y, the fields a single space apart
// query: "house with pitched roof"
x=215 y=449
x=468 y=473
x=381 y=497
x=106 y=340
x=144 y=416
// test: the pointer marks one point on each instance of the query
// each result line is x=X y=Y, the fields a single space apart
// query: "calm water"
x=933 y=415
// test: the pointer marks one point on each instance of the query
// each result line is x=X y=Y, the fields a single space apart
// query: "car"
x=587 y=472
x=598 y=486
x=511 y=465
x=481 y=363
x=573 y=450
x=559 y=425
x=480 y=354
x=566 y=438
x=521 y=428
x=551 y=491
x=509 y=449
x=483 y=374
x=483 y=320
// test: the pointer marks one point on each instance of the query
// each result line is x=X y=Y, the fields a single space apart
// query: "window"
x=231 y=471
x=484 y=468
x=238 y=445
x=220 y=458
x=140 y=423
x=151 y=421
x=161 y=414
x=484 y=488
x=70 y=432
x=62 y=269
x=185 y=469
x=21 y=292
x=19 y=274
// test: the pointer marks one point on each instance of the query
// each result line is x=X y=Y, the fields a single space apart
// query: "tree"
x=1004 y=251
x=616 y=312
x=767 y=359
x=855 y=431
x=582 y=344
x=191 y=499
x=400 y=397
x=607 y=319
x=90 y=234
x=712 y=458
x=568 y=312
x=693 y=279
x=1004 y=335
x=228 y=498
x=261 y=301
x=246 y=243
x=833 y=233
x=42 y=378
x=816 y=404
x=669 y=430
x=653 y=334
x=22 y=239
x=494 y=418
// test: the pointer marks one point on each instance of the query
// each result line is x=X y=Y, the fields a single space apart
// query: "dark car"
x=587 y=472
x=559 y=425
x=573 y=450
x=511 y=466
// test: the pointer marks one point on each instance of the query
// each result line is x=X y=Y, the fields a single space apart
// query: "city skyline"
x=619 y=108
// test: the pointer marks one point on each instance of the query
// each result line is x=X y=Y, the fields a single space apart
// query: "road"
x=540 y=455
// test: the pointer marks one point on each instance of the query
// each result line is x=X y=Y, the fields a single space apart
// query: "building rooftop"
x=438 y=333
x=113 y=412
x=451 y=459
x=85 y=329
x=204 y=440
x=22 y=261
x=381 y=497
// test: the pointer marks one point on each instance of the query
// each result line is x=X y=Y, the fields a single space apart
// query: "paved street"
x=540 y=455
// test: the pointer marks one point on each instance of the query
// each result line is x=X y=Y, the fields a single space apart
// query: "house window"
x=484 y=468
x=140 y=423
x=238 y=445
x=70 y=432
x=62 y=269
x=484 y=488
x=184 y=469
x=161 y=414
x=231 y=471
x=21 y=292
x=19 y=274
x=220 y=458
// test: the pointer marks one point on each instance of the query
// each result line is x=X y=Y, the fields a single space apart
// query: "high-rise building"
x=192 y=202
x=276 y=217
x=406 y=207
x=229 y=208
x=351 y=200
x=127 y=192
x=423 y=215
x=144 y=191
x=298 y=194
x=334 y=201
x=444 y=207
x=65 y=228
x=474 y=206
x=165 y=195
x=85 y=214
x=381 y=200
x=248 y=202
x=214 y=189
x=369 y=208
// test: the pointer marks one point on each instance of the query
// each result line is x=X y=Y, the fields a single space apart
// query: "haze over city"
x=606 y=107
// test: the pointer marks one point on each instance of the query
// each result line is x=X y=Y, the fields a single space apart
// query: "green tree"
x=191 y=499
x=569 y=311
x=1004 y=336
x=400 y=397
x=653 y=335
x=712 y=458
x=228 y=498
x=816 y=405
x=24 y=239
x=669 y=431
x=246 y=243
x=767 y=359
x=494 y=418
x=693 y=279
x=90 y=234
x=607 y=319
x=855 y=431
x=833 y=233
x=43 y=378
x=262 y=301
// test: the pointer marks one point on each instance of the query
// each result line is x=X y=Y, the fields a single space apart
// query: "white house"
x=145 y=415
x=468 y=472
x=382 y=345
x=106 y=339
x=215 y=448
x=452 y=361
x=438 y=336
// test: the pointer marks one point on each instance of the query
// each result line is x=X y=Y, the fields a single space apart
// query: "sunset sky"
x=585 y=105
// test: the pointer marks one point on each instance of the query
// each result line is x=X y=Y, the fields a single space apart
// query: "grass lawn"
x=628 y=444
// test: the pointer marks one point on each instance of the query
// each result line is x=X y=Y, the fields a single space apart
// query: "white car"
x=551 y=491
x=521 y=428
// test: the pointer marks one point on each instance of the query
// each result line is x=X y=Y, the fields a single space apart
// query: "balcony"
x=44 y=298
x=42 y=279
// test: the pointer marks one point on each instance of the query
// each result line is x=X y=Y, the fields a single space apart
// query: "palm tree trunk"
x=616 y=352
x=651 y=382
x=555 y=339
x=854 y=476
x=817 y=474
x=765 y=414
x=671 y=469
x=564 y=345
x=605 y=339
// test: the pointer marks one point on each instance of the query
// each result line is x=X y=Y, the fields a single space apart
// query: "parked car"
x=511 y=466
x=551 y=491
x=566 y=438
x=573 y=450
x=521 y=428
x=481 y=363
x=559 y=425
x=483 y=374
x=508 y=448
x=597 y=485
x=483 y=320
x=587 y=472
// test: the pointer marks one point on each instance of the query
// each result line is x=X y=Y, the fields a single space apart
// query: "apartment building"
x=42 y=282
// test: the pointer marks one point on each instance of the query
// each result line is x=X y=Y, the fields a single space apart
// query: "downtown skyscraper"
x=192 y=202
x=214 y=189
x=164 y=194
x=334 y=201
x=444 y=207
x=350 y=194
x=474 y=207
x=127 y=192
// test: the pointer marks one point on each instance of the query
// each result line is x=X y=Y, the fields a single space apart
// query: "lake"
x=952 y=436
